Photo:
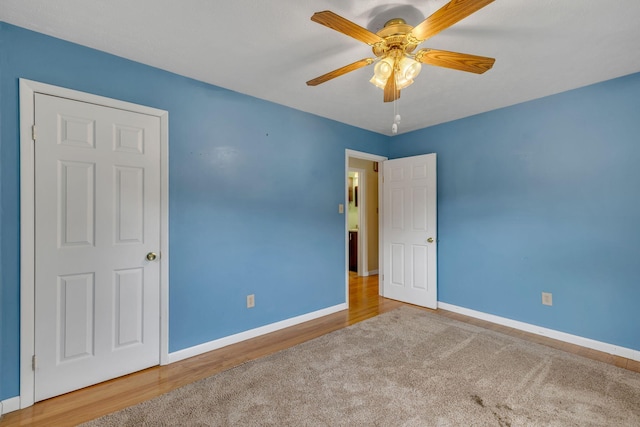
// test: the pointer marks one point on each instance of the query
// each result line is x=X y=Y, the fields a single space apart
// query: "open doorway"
x=362 y=199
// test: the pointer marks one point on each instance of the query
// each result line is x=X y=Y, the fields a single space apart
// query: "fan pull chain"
x=396 y=108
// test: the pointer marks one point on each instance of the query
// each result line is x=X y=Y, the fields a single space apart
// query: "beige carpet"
x=403 y=368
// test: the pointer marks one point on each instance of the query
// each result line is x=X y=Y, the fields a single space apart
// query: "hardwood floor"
x=92 y=402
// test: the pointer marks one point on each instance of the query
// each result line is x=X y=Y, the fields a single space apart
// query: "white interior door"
x=409 y=230
x=97 y=216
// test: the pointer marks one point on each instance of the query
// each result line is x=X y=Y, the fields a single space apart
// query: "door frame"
x=376 y=158
x=28 y=89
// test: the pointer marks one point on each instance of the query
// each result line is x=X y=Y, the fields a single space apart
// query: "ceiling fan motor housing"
x=395 y=34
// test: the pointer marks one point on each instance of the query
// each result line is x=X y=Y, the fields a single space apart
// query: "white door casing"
x=409 y=230
x=98 y=177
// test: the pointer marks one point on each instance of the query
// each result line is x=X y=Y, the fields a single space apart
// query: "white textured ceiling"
x=269 y=49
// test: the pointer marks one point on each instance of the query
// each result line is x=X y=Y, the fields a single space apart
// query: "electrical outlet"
x=547 y=298
x=251 y=301
x=340 y=208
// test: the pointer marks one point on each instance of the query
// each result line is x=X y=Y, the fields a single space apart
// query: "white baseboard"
x=551 y=333
x=252 y=333
x=369 y=273
x=9 y=405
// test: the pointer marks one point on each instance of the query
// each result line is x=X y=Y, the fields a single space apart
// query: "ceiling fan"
x=394 y=45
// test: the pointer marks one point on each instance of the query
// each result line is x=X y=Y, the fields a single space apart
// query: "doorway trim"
x=28 y=89
x=365 y=156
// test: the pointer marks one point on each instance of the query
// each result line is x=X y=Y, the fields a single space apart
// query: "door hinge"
x=33 y=362
x=33 y=132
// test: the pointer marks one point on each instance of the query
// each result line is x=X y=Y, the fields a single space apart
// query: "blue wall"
x=543 y=196
x=254 y=193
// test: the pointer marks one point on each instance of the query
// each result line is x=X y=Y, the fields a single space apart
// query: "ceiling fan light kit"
x=406 y=70
x=393 y=46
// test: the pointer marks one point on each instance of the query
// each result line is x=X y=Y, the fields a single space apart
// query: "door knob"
x=151 y=256
x=430 y=240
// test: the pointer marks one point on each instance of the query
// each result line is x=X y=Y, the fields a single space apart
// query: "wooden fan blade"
x=455 y=60
x=340 y=71
x=338 y=23
x=390 y=91
x=446 y=16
